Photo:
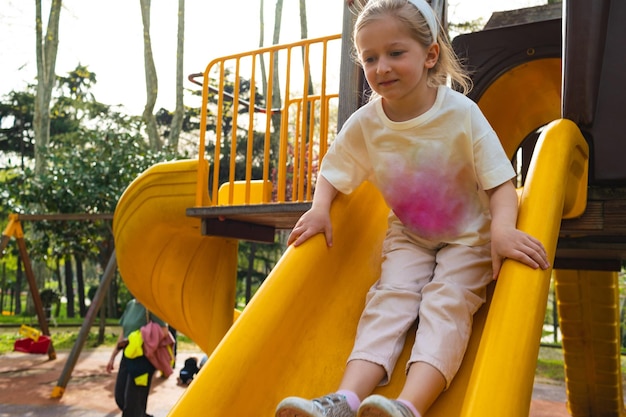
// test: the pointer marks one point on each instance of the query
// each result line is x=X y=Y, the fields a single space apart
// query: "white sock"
x=411 y=407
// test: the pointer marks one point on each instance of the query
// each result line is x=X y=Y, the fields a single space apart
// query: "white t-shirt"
x=432 y=170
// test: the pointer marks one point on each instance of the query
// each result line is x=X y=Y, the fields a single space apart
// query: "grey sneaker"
x=379 y=406
x=331 y=405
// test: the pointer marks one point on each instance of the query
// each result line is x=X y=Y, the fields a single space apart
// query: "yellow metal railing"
x=285 y=122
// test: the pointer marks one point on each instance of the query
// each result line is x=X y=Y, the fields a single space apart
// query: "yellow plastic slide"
x=183 y=277
x=294 y=336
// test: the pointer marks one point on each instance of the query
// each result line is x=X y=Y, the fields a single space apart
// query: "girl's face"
x=395 y=65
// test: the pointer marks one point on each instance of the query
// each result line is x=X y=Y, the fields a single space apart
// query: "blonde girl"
x=442 y=171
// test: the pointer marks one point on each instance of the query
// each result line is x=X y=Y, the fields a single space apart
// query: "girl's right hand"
x=314 y=221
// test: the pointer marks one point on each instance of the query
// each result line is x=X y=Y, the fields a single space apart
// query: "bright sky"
x=107 y=35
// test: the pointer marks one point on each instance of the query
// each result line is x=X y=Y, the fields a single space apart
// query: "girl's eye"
x=368 y=60
x=396 y=53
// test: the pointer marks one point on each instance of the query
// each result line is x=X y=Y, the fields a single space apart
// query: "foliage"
x=87 y=171
x=49 y=297
x=16 y=123
x=191 y=121
x=256 y=260
x=93 y=154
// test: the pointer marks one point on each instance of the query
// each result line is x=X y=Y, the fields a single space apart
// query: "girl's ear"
x=432 y=55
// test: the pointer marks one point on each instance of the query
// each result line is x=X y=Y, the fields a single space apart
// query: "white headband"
x=428 y=14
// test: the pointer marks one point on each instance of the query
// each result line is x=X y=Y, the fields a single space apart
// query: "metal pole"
x=96 y=303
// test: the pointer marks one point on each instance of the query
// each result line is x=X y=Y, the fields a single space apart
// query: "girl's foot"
x=331 y=405
x=379 y=406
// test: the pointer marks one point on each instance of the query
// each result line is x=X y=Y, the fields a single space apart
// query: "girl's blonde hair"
x=448 y=64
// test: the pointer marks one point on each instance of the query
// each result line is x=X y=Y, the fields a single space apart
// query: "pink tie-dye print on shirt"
x=432 y=198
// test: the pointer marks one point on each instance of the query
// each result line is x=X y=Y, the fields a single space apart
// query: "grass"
x=64 y=338
x=550 y=364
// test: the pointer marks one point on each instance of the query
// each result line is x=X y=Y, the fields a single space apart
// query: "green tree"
x=93 y=154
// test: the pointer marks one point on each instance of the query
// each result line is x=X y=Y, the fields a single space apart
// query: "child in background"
x=189 y=371
x=442 y=170
x=131 y=393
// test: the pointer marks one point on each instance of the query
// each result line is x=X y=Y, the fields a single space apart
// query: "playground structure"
x=14 y=229
x=557 y=99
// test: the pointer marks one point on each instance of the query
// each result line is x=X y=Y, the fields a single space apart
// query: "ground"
x=27 y=381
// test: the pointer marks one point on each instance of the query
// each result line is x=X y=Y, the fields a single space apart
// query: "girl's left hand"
x=515 y=244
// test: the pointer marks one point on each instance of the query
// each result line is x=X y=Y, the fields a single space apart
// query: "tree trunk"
x=80 y=285
x=276 y=98
x=106 y=250
x=112 y=310
x=18 y=287
x=261 y=42
x=69 y=287
x=179 y=113
x=152 y=83
x=57 y=273
x=304 y=31
x=101 y=325
x=3 y=286
x=304 y=34
x=46 y=52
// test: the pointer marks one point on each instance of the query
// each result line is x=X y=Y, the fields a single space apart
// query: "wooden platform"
x=257 y=222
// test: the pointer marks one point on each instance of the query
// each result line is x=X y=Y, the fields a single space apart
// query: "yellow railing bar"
x=309 y=125
x=250 y=147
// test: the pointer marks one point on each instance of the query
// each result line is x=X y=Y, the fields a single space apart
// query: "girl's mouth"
x=386 y=83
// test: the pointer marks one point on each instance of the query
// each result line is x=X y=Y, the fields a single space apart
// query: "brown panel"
x=238 y=230
x=585 y=34
x=608 y=130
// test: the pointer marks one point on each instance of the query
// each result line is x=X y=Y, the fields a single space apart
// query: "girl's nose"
x=382 y=66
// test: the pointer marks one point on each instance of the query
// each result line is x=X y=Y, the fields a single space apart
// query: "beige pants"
x=442 y=284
